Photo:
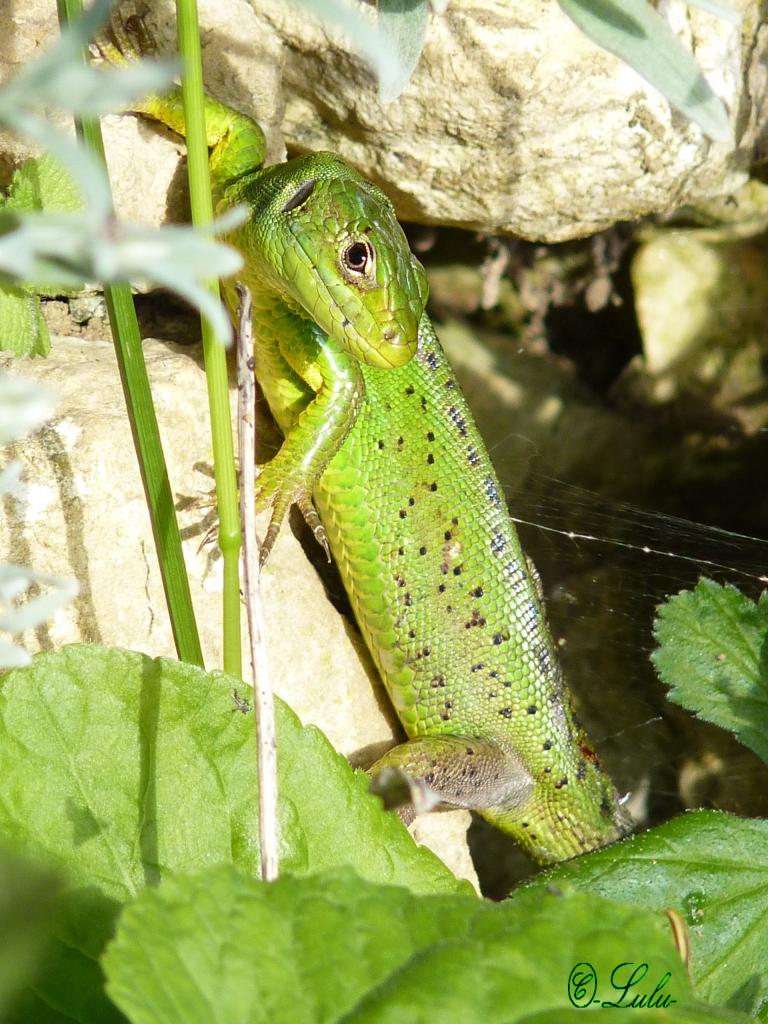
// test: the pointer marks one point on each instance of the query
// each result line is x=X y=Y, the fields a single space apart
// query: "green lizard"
x=383 y=458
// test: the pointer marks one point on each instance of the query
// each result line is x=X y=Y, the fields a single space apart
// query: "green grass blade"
x=144 y=428
x=215 y=356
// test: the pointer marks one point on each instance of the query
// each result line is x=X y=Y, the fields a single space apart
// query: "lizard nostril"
x=388 y=335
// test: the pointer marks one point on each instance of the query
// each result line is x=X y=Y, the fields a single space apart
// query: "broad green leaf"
x=120 y=769
x=633 y=31
x=23 y=331
x=698 y=1014
x=712 y=868
x=220 y=947
x=404 y=24
x=84 y=166
x=27 y=907
x=43 y=183
x=713 y=655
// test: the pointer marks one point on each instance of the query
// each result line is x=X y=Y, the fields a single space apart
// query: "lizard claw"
x=124 y=39
x=280 y=506
x=312 y=519
x=280 y=495
x=280 y=499
x=269 y=538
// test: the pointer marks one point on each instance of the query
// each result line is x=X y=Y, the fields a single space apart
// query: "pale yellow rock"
x=445 y=832
x=700 y=302
x=81 y=513
x=674 y=277
x=514 y=121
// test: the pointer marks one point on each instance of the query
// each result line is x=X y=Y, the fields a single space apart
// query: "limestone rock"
x=700 y=301
x=514 y=121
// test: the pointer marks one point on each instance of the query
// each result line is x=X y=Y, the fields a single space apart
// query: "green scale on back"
x=380 y=443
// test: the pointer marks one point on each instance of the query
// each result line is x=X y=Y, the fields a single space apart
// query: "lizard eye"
x=358 y=257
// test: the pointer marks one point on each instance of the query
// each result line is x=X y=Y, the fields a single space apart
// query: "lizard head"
x=330 y=242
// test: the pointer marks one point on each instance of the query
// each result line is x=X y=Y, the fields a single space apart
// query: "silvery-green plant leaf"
x=404 y=24
x=84 y=89
x=75 y=37
x=719 y=10
x=24 y=407
x=90 y=244
x=352 y=19
x=59 y=78
x=83 y=165
x=17 y=614
x=638 y=35
x=10 y=476
x=12 y=656
x=72 y=248
x=15 y=582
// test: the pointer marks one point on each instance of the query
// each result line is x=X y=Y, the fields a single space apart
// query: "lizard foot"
x=278 y=491
x=449 y=771
x=126 y=37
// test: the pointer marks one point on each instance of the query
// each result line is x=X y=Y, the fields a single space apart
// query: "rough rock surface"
x=81 y=513
x=514 y=121
x=700 y=300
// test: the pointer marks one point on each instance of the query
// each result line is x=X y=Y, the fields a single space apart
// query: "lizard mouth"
x=390 y=352
x=395 y=348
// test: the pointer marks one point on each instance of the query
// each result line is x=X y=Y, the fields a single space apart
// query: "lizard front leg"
x=315 y=436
